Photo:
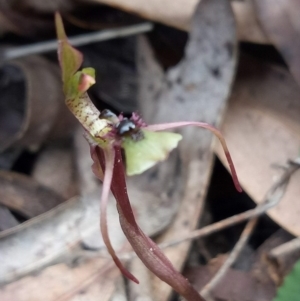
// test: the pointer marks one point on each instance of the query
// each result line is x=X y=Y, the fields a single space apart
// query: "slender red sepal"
x=104 y=160
x=145 y=248
x=172 y=125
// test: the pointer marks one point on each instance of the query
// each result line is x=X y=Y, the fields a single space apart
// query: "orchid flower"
x=110 y=136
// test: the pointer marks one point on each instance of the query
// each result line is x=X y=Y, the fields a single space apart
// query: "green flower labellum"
x=143 y=154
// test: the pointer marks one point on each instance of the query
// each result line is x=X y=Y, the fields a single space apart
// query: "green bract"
x=70 y=59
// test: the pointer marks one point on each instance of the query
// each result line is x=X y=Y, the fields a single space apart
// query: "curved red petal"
x=172 y=125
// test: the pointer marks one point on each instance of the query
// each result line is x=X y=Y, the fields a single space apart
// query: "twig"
x=295 y=161
x=205 y=231
x=103 y=35
x=286 y=249
x=273 y=197
x=206 y=291
x=282 y=258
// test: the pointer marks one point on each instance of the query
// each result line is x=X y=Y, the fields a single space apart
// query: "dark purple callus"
x=128 y=128
x=125 y=126
x=109 y=115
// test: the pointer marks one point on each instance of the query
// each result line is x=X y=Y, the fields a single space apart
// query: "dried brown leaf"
x=58 y=232
x=29 y=25
x=262 y=122
x=89 y=280
x=248 y=27
x=46 y=6
x=42 y=240
x=179 y=14
x=281 y=23
x=55 y=168
x=31 y=18
x=26 y=196
x=236 y=286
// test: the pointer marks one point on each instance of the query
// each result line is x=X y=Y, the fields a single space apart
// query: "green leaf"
x=290 y=289
x=143 y=154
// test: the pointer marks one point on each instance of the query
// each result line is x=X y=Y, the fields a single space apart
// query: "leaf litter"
x=108 y=134
x=174 y=186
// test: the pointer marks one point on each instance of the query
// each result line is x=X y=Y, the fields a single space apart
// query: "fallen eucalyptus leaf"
x=179 y=14
x=23 y=23
x=45 y=7
x=55 y=169
x=59 y=232
x=24 y=195
x=41 y=240
x=281 y=23
x=248 y=27
x=236 y=286
x=96 y=17
x=263 y=124
x=29 y=17
x=87 y=280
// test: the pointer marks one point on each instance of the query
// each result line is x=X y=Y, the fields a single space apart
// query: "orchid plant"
x=113 y=137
